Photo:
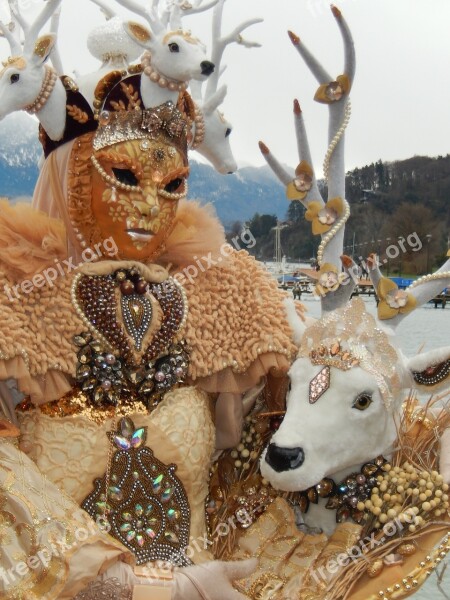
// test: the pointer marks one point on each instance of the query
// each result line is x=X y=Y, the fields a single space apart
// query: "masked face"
x=136 y=187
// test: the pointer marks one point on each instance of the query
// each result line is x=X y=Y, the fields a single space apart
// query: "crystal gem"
x=125 y=527
x=139 y=510
x=126 y=427
x=140 y=540
x=121 y=442
x=130 y=535
x=167 y=494
x=115 y=493
x=157 y=483
x=171 y=536
x=138 y=438
x=150 y=532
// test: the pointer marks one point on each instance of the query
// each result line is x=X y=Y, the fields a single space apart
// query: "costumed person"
x=133 y=371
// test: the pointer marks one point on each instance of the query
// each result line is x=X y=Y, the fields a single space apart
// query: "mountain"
x=236 y=197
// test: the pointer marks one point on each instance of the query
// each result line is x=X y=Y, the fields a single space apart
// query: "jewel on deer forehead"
x=319 y=385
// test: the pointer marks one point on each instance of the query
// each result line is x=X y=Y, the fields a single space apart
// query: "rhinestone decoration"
x=146 y=506
x=344 y=497
x=122 y=126
x=107 y=371
x=137 y=316
x=434 y=374
x=319 y=385
x=333 y=356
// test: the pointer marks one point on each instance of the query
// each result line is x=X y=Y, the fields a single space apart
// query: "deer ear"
x=138 y=33
x=42 y=48
x=431 y=370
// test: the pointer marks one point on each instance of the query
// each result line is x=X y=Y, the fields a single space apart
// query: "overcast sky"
x=401 y=94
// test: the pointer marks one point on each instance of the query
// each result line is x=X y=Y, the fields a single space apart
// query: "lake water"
x=424 y=329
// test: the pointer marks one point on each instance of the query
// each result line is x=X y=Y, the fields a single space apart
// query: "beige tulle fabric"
x=73 y=451
x=49 y=546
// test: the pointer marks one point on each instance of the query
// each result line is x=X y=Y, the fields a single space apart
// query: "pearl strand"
x=174 y=195
x=333 y=231
x=334 y=142
x=430 y=277
x=163 y=82
x=199 y=123
x=112 y=180
x=47 y=88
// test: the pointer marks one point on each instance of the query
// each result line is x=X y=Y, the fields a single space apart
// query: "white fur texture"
x=332 y=434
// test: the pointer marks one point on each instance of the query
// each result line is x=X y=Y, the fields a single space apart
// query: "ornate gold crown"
x=334 y=356
x=350 y=337
x=124 y=125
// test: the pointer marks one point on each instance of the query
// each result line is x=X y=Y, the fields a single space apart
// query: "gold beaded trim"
x=419 y=574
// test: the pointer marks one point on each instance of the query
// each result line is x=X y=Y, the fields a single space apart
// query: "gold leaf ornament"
x=324 y=217
x=77 y=114
x=331 y=92
x=302 y=183
x=393 y=301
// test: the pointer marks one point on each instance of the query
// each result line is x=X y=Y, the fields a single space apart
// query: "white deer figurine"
x=173 y=56
x=26 y=82
x=350 y=379
x=211 y=136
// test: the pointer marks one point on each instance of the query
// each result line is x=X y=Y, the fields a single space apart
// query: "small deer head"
x=214 y=144
x=26 y=82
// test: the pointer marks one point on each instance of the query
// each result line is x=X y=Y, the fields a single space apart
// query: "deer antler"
x=105 y=8
x=56 y=57
x=180 y=8
x=151 y=16
x=11 y=31
x=304 y=186
x=220 y=43
x=31 y=32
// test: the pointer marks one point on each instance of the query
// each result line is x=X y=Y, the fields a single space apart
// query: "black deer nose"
x=207 y=67
x=284 y=459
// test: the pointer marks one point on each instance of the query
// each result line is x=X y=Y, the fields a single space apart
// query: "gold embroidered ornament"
x=140 y=501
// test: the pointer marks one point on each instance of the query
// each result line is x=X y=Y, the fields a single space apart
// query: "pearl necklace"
x=161 y=80
x=199 y=124
x=430 y=277
x=326 y=239
x=47 y=88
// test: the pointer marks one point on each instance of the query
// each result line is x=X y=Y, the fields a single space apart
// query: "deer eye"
x=14 y=78
x=363 y=401
x=228 y=131
x=174 y=47
x=125 y=176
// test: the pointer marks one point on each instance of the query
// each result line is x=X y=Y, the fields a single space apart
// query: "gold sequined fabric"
x=45 y=538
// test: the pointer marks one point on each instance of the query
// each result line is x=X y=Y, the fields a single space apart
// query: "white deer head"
x=348 y=382
x=26 y=82
x=173 y=56
x=211 y=129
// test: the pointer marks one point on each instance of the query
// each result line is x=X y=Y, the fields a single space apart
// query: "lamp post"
x=388 y=239
x=401 y=241
x=428 y=236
